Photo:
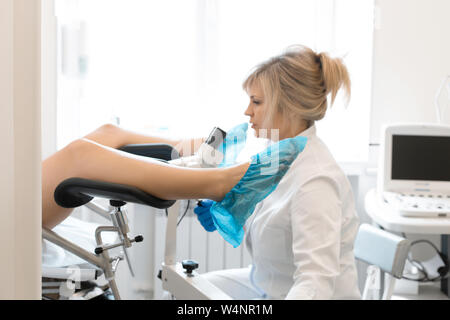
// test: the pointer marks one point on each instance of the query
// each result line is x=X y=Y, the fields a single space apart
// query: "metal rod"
x=73 y=248
x=115 y=245
x=109 y=273
x=99 y=210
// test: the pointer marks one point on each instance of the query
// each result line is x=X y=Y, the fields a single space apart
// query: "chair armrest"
x=381 y=248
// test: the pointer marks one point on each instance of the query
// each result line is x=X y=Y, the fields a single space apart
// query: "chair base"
x=58 y=289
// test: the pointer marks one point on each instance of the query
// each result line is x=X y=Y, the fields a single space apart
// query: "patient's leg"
x=115 y=137
x=87 y=159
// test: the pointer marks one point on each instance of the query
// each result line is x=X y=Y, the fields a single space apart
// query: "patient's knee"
x=108 y=134
x=108 y=128
x=78 y=146
x=78 y=152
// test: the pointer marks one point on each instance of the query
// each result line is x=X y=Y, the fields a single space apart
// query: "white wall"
x=411 y=57
x=20 y=183
x=48 y=78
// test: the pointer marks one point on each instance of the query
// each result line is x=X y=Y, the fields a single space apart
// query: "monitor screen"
x=420 y=158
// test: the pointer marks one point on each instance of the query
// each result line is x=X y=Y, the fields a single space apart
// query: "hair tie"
x=319 y=60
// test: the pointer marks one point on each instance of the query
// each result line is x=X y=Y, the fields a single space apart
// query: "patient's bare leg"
x=88 y=159
x=115 y=137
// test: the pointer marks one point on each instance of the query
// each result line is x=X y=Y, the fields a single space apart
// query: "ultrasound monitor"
x=415 y=158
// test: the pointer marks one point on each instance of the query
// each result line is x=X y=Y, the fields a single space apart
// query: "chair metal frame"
x=102 y=260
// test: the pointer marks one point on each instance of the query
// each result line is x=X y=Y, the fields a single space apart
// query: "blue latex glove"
x=204 y=214
x=233 y=144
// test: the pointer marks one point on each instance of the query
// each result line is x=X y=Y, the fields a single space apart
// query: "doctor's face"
x=257 y=111
x=256 y=108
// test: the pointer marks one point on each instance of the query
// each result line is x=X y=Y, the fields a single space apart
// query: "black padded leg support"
x=75 y=192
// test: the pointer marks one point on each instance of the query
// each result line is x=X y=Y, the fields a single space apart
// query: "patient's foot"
x=259 y=180
x=230 y=177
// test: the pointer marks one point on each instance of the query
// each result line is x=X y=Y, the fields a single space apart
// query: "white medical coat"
x=301 y=236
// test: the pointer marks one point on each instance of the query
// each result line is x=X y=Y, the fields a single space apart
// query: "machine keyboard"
x=419 y=204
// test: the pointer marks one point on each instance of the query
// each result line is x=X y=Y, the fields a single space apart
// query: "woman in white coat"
x=301 y=236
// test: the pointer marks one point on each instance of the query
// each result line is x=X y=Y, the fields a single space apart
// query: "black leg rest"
x=75 y=192
x=159 y=151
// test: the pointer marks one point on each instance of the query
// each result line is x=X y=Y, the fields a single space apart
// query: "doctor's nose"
x=248 y=111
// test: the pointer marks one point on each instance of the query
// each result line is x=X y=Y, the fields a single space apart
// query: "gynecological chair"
x=72 y=282
x=88 y=262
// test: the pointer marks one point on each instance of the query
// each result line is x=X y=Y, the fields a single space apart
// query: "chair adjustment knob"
x=117 y=203
x=189 y=265
x=139 y=238
x=98 y=250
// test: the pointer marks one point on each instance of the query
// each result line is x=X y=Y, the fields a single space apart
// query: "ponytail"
x=335 y=76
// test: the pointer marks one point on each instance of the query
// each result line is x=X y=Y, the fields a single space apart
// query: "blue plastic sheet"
x=233 y=144
x=262 y=177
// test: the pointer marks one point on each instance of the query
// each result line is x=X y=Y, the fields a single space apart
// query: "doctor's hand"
x=204 y=214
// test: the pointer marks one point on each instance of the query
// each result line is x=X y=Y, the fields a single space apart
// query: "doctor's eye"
x=257 y=102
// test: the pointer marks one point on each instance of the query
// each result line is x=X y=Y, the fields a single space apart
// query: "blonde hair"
x=297 y=83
